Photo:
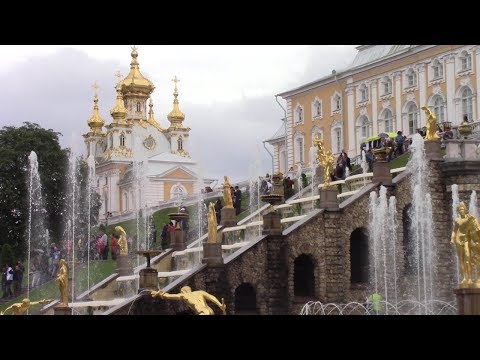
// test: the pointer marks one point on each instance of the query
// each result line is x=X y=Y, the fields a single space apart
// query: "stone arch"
x=317 y=254
x=359 y=260
x=304 y=276
x=245 y=299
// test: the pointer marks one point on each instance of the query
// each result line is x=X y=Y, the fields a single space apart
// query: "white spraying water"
x=90 y=187
x=383 y=232
x=472 y=207
x=455 y=202
x=421 y=221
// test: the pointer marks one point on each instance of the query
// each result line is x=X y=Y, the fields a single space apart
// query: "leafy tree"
x=15 y=147
x=7 y=256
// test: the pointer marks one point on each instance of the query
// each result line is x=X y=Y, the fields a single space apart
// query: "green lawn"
x=400 y=161
x=99 y=270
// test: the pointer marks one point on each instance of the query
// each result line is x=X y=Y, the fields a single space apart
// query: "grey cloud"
x=226 y=138
x=55 y=92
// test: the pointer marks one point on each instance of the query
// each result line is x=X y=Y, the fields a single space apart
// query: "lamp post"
x=108 y=215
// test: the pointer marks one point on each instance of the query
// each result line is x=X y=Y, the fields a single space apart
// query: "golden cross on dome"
x=95 y=88
x=175 y=80
x=118 y=75
x=134 y=48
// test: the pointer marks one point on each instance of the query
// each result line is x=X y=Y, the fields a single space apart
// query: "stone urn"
x=465 y=129
x=272 y=199
x=178 y=217
x=381 y=154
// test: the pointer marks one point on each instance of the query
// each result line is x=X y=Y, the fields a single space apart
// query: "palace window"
x=465 y=61
x=467 y=103
x=412 y=118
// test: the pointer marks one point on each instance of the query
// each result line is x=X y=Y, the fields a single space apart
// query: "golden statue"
x=122 y=241
x=325 y=159
x=212 y=224
x=62 y=278
x=196 y=300
x=431 y=125
x=466 y=237
x=227 y=193
x=22 y=307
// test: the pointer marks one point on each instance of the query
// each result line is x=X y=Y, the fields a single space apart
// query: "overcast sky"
x=226 y=92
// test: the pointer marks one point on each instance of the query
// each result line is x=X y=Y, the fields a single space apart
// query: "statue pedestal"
x=381 y=173
x=148 y=279
x=432 y=150
x=272 y=224
x=177 y=240
x=228 y=217
x=212 y=254
x=62 y=310
x=124 y=267
x=468 y=301
x=328 y=199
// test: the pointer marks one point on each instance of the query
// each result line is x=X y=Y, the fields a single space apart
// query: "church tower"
x=136 y=89
x=178 y=133
x=95 y=138
x=119 y=131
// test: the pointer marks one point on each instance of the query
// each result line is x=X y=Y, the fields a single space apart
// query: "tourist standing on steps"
x=238 y=200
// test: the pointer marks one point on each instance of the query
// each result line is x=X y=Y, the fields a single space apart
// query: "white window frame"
x=411 y=78
x=387 y=86
x=467 y=103
x=299 y=148
x=336 y=102
x=387 y=121
x=437 y=70
x=439 y=108
x=178 y=192
x=465 y=61
x=299 y=114
x=122 y=139
x=316 y=105
x=363 y=93
x=412 y=117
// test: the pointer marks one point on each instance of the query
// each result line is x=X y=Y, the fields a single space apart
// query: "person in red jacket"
x=114 y=246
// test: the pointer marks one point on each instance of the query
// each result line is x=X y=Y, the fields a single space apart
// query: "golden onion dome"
x=135 y=81
x=176 y=116
x=119 y=112
x=96 y=122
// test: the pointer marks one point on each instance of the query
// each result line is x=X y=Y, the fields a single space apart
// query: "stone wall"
x=268 y=262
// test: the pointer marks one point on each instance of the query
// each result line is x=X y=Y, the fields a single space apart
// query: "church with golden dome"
x=139 y=163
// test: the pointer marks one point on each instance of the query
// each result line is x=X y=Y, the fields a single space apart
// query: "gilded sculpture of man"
x=431 y=133
x=62 y=279
x=324 y=158
x=227 y=193
x=195 y=300
x=465 y=237
x=22 y=307
x=122 y=241
x=212 y=224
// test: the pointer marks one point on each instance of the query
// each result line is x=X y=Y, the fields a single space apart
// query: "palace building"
x=138 y=162
x=381 y=91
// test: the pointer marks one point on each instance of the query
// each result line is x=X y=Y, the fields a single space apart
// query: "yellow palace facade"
x=381 y=91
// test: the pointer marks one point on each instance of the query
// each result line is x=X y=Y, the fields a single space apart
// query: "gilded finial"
x=95 y=88
x=119 y=76
x=175 y=80
x=134 y=56
x=150 y=112
x=95 y=122
x=176 y=116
